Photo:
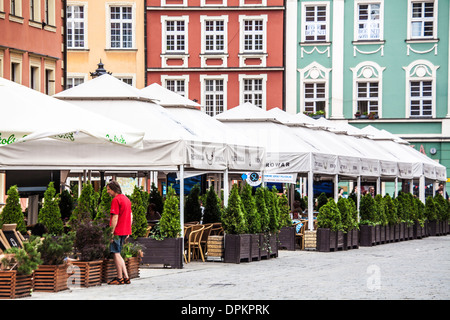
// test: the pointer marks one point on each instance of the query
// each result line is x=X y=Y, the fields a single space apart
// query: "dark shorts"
x=117 y=244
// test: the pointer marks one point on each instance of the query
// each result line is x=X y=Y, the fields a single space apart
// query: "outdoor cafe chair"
x=193 y=246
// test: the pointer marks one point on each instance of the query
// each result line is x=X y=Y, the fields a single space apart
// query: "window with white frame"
x=314 y=96
x=76 y=27
x=214 y=36
x=253 y=35
x=175 y=31
x=121 y=27
x=422 y=19
x=421 y=89
x=35 y=10
x=73 y=81
x=50 y=12
x=253 y=91
x=367 y=97
x=214 y=96
x=177 y=86
x=369 y=23
x=421 y=103
x=315 y=21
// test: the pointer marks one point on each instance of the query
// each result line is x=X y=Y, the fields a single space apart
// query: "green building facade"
x=383 y=63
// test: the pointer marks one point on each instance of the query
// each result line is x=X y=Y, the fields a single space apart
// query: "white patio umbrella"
x=29 y=115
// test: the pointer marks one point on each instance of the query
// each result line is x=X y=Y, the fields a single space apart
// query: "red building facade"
x=31 y=43
x=220 y=53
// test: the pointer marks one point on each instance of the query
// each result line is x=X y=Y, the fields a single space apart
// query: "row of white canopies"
x=87 y=127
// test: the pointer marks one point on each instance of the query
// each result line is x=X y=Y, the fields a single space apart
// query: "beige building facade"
x=110 y=31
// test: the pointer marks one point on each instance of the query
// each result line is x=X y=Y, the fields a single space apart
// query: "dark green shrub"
x=260 y=202
x=252 y=215
x=12 y=212
x=50 y=214
x=330 y=217
x=54 y=249
x=367 y=210
x=321 y=200
x=192 y=209
x=139 y=226
x=169 y=224
x=156 y=198
x=430 y=209
x=213 y=211
x=391 y=210
x=25 y=260
x=345 y=207
x=233 y=220
x=285 y=218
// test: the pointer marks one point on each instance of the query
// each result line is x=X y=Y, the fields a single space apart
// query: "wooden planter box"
x=390 y=233
x=237 y=248
x=51 y=278
x=132 y=265
x=402 y=231
x=13 y=285
x=215 y=249
x=255 y=246
x=339 y=240
x=377 y=234
x=418 y=230
x=168 y=252
x=410 y=232
x=383 y=234
x=87 y=273
x=286 y=238
x=432 y=228
x=326 y=240
x=366 y=236
x=351 y=240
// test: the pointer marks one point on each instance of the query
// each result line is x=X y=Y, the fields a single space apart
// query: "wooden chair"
x=300 y=236
x=193 y=246
x=147 y=232
x=205 y=235
x=216 y=229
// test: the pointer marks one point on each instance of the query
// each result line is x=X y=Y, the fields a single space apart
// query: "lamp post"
x=99 y=71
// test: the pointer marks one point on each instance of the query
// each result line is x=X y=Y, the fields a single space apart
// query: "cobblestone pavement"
x=414 y=269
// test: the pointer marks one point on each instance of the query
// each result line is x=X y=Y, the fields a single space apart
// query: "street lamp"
x=100 y=70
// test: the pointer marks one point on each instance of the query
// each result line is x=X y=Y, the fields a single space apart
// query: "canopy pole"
x=182 y=202
x=226 y=188
x=396 y=187
x=358 y=194
x=411 y=186
x=336 y=188
x=422 y=188
x=378 y=185
x=310 y=201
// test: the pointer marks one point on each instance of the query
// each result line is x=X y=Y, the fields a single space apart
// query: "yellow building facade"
x=109 y=31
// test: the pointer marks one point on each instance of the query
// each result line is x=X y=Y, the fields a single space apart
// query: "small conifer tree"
x=139 y=226
x=430 y=209
x=213 y=211
x=391 y=210
x=330 y=217
x=260 y=201
x=233 y=219
x=50 y=214
x=252 y=215
x=192 y=211
x=285 y=219
x=367 y=210
x=66 y=204
x=170 y=218
x=12 y=212
x=156 y=198
x=104 y=208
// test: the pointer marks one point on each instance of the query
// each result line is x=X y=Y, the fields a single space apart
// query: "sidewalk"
x=414 y=269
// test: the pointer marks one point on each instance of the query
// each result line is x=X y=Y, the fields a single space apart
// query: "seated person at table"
x=152 y=214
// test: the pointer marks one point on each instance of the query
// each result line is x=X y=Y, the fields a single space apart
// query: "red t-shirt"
x=121 y=206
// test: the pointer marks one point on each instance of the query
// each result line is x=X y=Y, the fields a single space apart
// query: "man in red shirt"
x=120 y=222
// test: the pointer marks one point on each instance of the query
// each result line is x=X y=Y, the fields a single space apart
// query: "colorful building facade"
x=220 y=53
x=31 y=44
x=374 y=62
x=107 y=31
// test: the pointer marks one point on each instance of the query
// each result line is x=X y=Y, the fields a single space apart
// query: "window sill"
x=14 y=18
x=315 y=43
x=368 y=42
x=77 y=49
x=120 y=49
x=422 y=40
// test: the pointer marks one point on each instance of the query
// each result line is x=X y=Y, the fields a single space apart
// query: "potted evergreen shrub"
x=91 y=247
x=50 y=214
x=381 y=217
x=253 y=218
x=366 y=223
x=391 y=217
x=17 y=269
x=213 y=211
x=260 y=203
x=237 y=240
x=441 y=214
x=286 y=237
x=12 y=212
x=139 y=226
x=51 y=275
x=419 y=223
x=165 y=244
x=271 y=237
x=329 y=228
x=192 y=209
x=430 y=212
x=348 y=223
x=156 y=198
